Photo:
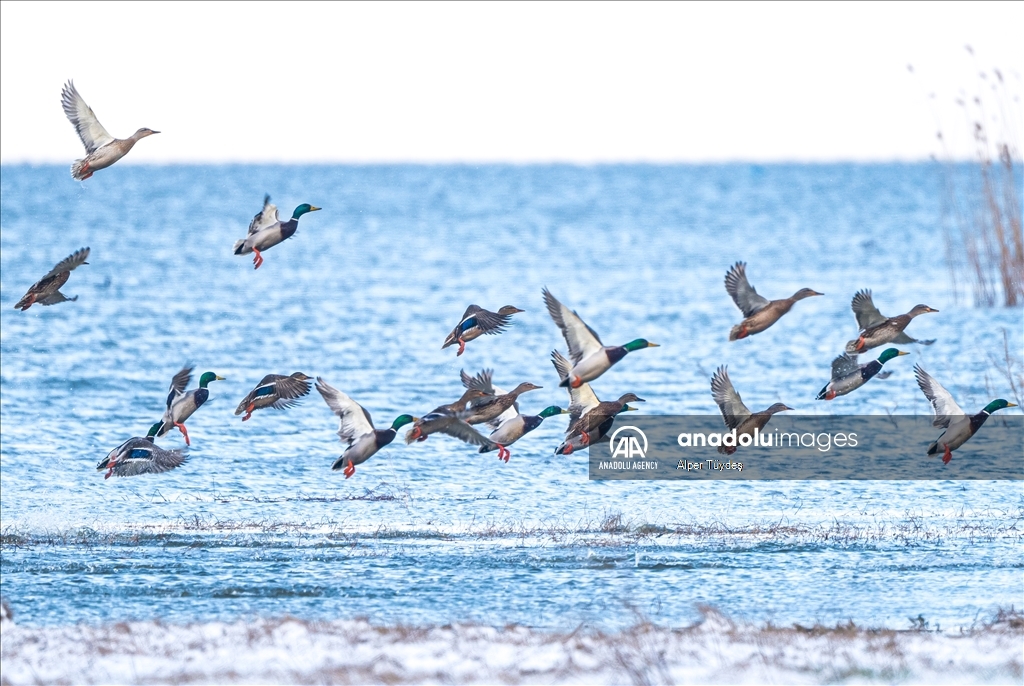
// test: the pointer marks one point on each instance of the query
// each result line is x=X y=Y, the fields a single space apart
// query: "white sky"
x=502 y=82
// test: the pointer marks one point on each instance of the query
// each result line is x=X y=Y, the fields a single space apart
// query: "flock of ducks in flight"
x=483 y=403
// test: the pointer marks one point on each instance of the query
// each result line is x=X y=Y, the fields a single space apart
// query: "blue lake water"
x=256 y=523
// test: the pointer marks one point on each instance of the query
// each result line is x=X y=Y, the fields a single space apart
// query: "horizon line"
x=527 y=163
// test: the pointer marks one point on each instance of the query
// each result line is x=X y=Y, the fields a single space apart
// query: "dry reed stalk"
x=982 y=202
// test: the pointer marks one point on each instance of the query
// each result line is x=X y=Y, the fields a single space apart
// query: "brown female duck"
x=46 y=291
x=759 y=312
x=447 y=419
x=274 y=390
x=475 y=322
x=595 y=424
x=884 y=332
x=102 y=149
x=735 y=413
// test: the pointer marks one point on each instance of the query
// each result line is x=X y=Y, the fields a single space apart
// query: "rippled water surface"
x=256 y=523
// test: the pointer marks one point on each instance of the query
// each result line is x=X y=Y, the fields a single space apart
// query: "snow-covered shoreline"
x=715 y=650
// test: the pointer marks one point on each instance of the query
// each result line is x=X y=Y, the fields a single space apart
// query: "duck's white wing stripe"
x=580 y=338
x=89 y=129
x=942 y=402
x=352 y=418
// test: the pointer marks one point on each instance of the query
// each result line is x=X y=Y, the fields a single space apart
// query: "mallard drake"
x=476 y=322
x=595 y=424
x=884 y=332
x=868 y=315
x=140 y=456
x=101 y=149
x=447 y=419
x=959 y=425
x=848 y=376
x=589 y=356
x=355 y=428
x=759 y=312
x=266 y=230
x=46 y=291
x=735 y=413
x=515 y=427
x=181 y=404
x=274 y=390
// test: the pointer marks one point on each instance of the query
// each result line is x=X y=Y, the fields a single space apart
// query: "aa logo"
x=627 y=445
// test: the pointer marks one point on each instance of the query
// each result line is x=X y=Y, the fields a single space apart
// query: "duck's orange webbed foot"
x=349 y=470
x=184 y=432
x=744 y=332
x=576 y=382
x=462 y=347
x=585 y=438
x=258 y=260
x=947 y=455
x=248 y=412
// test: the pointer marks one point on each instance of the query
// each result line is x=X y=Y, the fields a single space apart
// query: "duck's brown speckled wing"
x=480 y=382
x=729 y=401
x=155 y=461
x=487 y=321
x=46 y=290
x=55 y=298
x=289 y=390
x=465 y=433
x=864 y=309
x=69 y=263
x=741 y=292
